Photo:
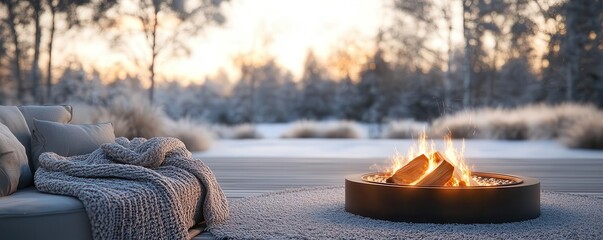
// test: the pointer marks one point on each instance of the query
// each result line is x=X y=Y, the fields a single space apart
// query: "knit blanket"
x=139 y=189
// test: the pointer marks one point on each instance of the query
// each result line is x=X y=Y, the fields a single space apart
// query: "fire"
x=462 y=173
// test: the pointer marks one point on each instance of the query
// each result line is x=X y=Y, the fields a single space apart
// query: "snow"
x=382 y=148
x=274 y=130
x=273 y=146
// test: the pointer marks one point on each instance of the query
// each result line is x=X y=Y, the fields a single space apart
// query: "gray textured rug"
x=318 y=213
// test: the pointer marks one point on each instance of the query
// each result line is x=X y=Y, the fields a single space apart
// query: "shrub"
x=541 y=120
x=244 y=131
x=547 y=122
x=342 y=129
x=311 y=129
x=402 y=129
x=241 y=131
x=86 y=114
x=510 y=128
x=537 y=121
x=194 y=135
x=459 y=125
x=304 y=129
x=585 y=133
x=138 y=118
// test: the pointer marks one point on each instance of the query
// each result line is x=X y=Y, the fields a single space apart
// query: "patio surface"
x=250 y=167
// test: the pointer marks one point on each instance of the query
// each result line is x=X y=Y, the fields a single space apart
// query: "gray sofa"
x=25 y=133
x=27 y=213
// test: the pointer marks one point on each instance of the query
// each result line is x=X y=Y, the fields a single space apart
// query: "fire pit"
x=430 y=187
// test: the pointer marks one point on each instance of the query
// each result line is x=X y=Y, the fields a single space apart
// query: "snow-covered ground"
x=273 y=146
x=381 y=148
x=249 y=167
x=276 y=130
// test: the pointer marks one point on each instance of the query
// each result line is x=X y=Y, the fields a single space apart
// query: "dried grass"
x=312 y=129
x=343 y=129
x=509 y=128
x=241 y=131
x=459 y=125
x=404 y=129
x=549 y=122
x=86 y=114
x=584 y=133
x=194 y=135
x=244 y=131
x=304 y=129
x=138 y=118
x=538 y=121
x=541 y=120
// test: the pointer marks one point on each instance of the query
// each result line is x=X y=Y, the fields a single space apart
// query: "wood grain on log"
x=438 y=157
x=439 y=176
x=411 y=172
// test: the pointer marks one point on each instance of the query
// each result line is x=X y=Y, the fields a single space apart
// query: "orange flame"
x=462 y=172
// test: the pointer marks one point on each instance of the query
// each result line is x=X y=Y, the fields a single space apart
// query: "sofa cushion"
x=29 y=214
x=68 y=139
x=57 y=113
x=14 y=170
x=14 y=120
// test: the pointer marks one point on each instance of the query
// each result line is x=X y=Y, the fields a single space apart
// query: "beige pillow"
x=55 y=113
x=14 y=170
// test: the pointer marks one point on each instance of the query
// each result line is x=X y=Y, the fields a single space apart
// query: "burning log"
x=444 y=174
x=457 y=173
x=439 y=176
x=411 y=172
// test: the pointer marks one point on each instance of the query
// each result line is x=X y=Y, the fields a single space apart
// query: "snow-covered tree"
x=347 y=100
x=75 y=86
x=317 y=90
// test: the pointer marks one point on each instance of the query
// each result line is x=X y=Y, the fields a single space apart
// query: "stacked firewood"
x=415 y=173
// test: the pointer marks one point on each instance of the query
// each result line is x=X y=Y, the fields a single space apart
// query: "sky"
x=282 y=29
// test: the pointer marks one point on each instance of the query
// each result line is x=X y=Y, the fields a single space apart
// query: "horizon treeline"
x=513 y=52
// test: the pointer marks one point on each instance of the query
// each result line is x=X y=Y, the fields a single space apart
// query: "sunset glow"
x=285 y=30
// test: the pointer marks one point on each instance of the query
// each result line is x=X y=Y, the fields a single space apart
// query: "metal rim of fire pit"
x=429 y=204
x=514 y=180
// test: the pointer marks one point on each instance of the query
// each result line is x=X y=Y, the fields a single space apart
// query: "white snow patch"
x=273 y=130
x=384 y=148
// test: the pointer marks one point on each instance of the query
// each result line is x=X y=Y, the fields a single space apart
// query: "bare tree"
x=13 y=6
x=36 y=6
x=419 y=16
x=581 y=47
x=446 y=10
x=467 y=4
x=574 y=58
x=68 y=8
x=53 y=7
x=192 y=17
x=430 y=19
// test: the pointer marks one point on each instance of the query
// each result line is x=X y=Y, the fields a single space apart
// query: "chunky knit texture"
x=139 y=189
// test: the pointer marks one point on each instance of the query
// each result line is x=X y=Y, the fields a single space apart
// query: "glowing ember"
x=460 y=175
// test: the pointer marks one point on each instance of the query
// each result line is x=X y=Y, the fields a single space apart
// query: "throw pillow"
x=11 y=117
x=57 y=113
x=68 y=139
x=14 y=170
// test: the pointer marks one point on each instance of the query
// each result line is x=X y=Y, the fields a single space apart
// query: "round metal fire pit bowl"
x=483 y=204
